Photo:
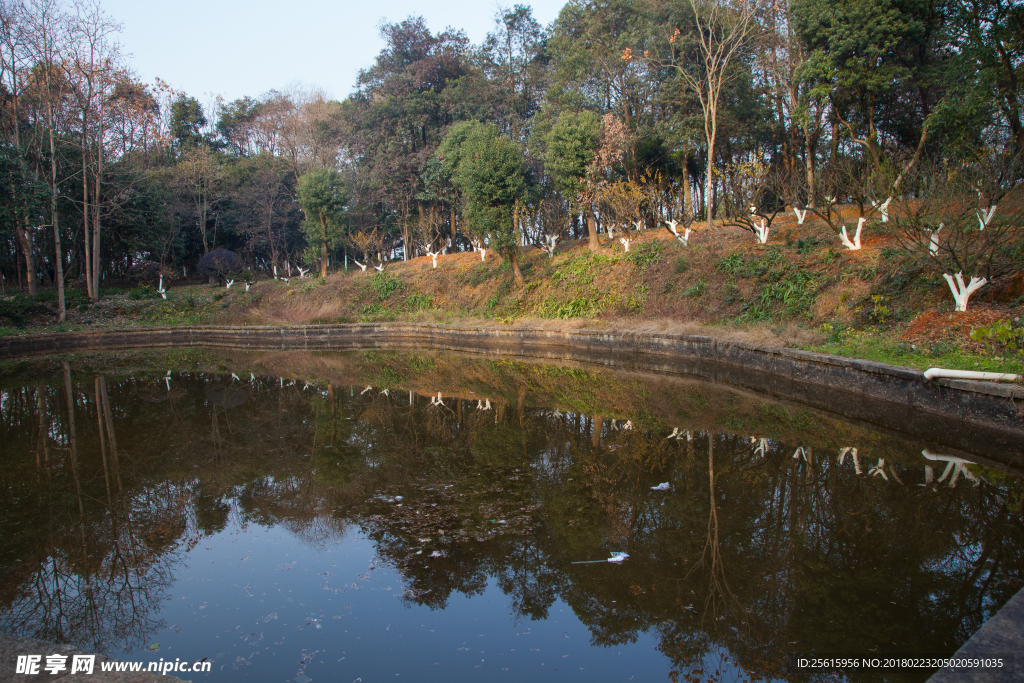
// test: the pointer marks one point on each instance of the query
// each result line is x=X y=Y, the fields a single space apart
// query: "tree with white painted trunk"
x=622 y=205
x=844 y=237
x=673 y=227
x=941 y=231
x=750 y=201
x=367 y=243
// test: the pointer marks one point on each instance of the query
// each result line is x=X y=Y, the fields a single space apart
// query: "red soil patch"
x=933 y=325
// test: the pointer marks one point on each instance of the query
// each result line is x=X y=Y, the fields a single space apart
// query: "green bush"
x=144 y=292
x=385 y=286
x=581 y=268
x=697 y=289
x=576 y=308
x=15 y=309
x=646 y=255
x=732 y=264
x=1001 y=339
x=72 y=297
x=419 y=302
x=311 y=285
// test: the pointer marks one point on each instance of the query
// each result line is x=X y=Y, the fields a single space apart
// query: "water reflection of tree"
x=764 y=548
x=85 y=564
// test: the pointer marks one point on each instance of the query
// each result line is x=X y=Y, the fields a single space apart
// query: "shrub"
x=143 y=292
x=645 y=255
x=697 y=289
x=419 y=302
x=385 y=286
x=576 y=308
x=17 y=308
x=220 y=262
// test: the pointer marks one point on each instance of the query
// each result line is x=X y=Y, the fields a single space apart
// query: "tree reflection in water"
x=777 y=535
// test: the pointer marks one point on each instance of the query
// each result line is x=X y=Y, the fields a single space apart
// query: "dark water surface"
x=400 y=516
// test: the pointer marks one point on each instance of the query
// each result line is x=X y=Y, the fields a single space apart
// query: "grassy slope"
x=803 y=290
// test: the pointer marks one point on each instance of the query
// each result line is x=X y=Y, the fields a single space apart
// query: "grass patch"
x=18 y=307
x=313 y=284
x=419 y=302
x=697 y=289
x=579 y=307
x=581 y=268
x=385 y=286
x=870 y=346
x=646 y=255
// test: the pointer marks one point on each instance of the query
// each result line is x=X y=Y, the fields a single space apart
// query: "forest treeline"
x=622 y=115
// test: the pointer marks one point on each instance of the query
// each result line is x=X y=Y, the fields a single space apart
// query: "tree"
x=515 y=62
x=943 y=229
x=22 y=202
x=94 y=65
x=876 y=62
x=716 y=34
x=197 y=175
x=187 y=121
x=420 y=84
x=323 y=198
x=571 y=148
x=491 y=175
x=990 y=53
x=48 y=41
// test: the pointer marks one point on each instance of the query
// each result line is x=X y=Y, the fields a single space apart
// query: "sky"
x=234 y=48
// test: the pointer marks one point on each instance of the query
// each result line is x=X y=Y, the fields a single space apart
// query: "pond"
x=427 y=516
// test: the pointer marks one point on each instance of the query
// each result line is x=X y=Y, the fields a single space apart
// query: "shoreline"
x=945 y=414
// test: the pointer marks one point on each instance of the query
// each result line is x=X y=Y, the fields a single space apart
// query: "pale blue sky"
x=246 y=47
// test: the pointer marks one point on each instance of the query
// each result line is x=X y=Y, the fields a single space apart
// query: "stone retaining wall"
x=970 y=417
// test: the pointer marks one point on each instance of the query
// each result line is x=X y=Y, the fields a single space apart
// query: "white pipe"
x=936 y=373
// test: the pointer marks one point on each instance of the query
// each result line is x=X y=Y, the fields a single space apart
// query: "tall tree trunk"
x=812 y=187
x=687 y=197
x=25 y=239
x=709 y=172
x=453 y=229
x=86 y=227
x=323 y=248
x=513 y=256
x=58 y=266
x=96 y=211
x=595 y=244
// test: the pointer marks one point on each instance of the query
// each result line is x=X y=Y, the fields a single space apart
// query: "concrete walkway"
x=12 y=646
x=1003 y=636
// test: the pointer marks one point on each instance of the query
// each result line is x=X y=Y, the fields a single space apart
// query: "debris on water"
x=616 y=558
x=664 y=486
x=437 y=553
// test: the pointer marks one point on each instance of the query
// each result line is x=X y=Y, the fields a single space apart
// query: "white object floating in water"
x=437 y=553
x=616 y=558
x=664 y=486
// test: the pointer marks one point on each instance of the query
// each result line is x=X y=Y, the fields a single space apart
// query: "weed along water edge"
x=308 y=516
